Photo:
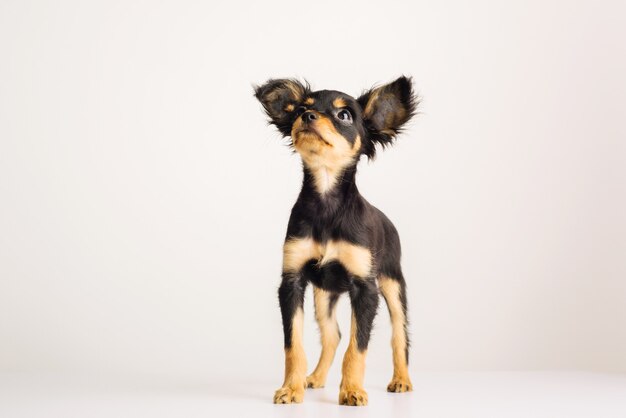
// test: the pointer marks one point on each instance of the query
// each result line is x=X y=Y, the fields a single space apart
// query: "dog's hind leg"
x=325 y=313
x=394 y=292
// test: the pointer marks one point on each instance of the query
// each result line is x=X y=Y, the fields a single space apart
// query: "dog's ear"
x=385 y=111
x=280 y=98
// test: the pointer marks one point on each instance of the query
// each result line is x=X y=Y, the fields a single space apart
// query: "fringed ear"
x=385 y=110
x=280 y=98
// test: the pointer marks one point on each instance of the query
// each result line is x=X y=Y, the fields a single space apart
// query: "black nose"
x=309 y=116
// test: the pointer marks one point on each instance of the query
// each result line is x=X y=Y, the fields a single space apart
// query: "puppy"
x=335 y=239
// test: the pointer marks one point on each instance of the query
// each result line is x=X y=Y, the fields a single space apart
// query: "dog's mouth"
x=308 y=133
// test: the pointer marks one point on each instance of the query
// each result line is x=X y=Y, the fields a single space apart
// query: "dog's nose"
x=309 y=116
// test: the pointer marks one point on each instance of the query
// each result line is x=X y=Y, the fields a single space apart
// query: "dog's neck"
x=328 y=183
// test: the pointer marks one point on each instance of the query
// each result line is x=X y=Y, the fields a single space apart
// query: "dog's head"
x=329 y=127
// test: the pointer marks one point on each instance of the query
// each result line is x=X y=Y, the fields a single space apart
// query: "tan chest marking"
x=354 y=258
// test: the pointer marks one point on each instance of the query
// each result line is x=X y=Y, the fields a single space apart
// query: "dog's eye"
x=344 y=115
x=300 y=110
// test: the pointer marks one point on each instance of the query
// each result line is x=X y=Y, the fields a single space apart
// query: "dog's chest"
x=355 y=259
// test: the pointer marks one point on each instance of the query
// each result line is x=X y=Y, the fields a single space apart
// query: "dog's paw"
x=315 y=382
x=353 y=397
x=289 y=395
x=398 y=385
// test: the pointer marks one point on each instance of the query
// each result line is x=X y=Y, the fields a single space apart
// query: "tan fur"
x=354 y=258
x=294 y=384
x=309 y=101
x=390 y=290
x=329 y=333
x=370 y=106
x=324 y=151
x=392 y=118
x=339 y=102
x=296 y=91
x=351 y=390
x=289 y=108
x=296 y=252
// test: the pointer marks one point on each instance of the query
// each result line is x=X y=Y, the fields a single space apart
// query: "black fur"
x=341 y=213
x=291 y=297
x=364 y=300
x=286 y=92
x=396 y=95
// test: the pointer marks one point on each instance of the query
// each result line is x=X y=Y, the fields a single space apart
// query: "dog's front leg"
x=291 y=297
x=364 y=300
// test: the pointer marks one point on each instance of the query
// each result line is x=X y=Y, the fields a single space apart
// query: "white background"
x=143 y=199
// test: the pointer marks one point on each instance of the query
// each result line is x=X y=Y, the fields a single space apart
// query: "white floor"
x=497 y=394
